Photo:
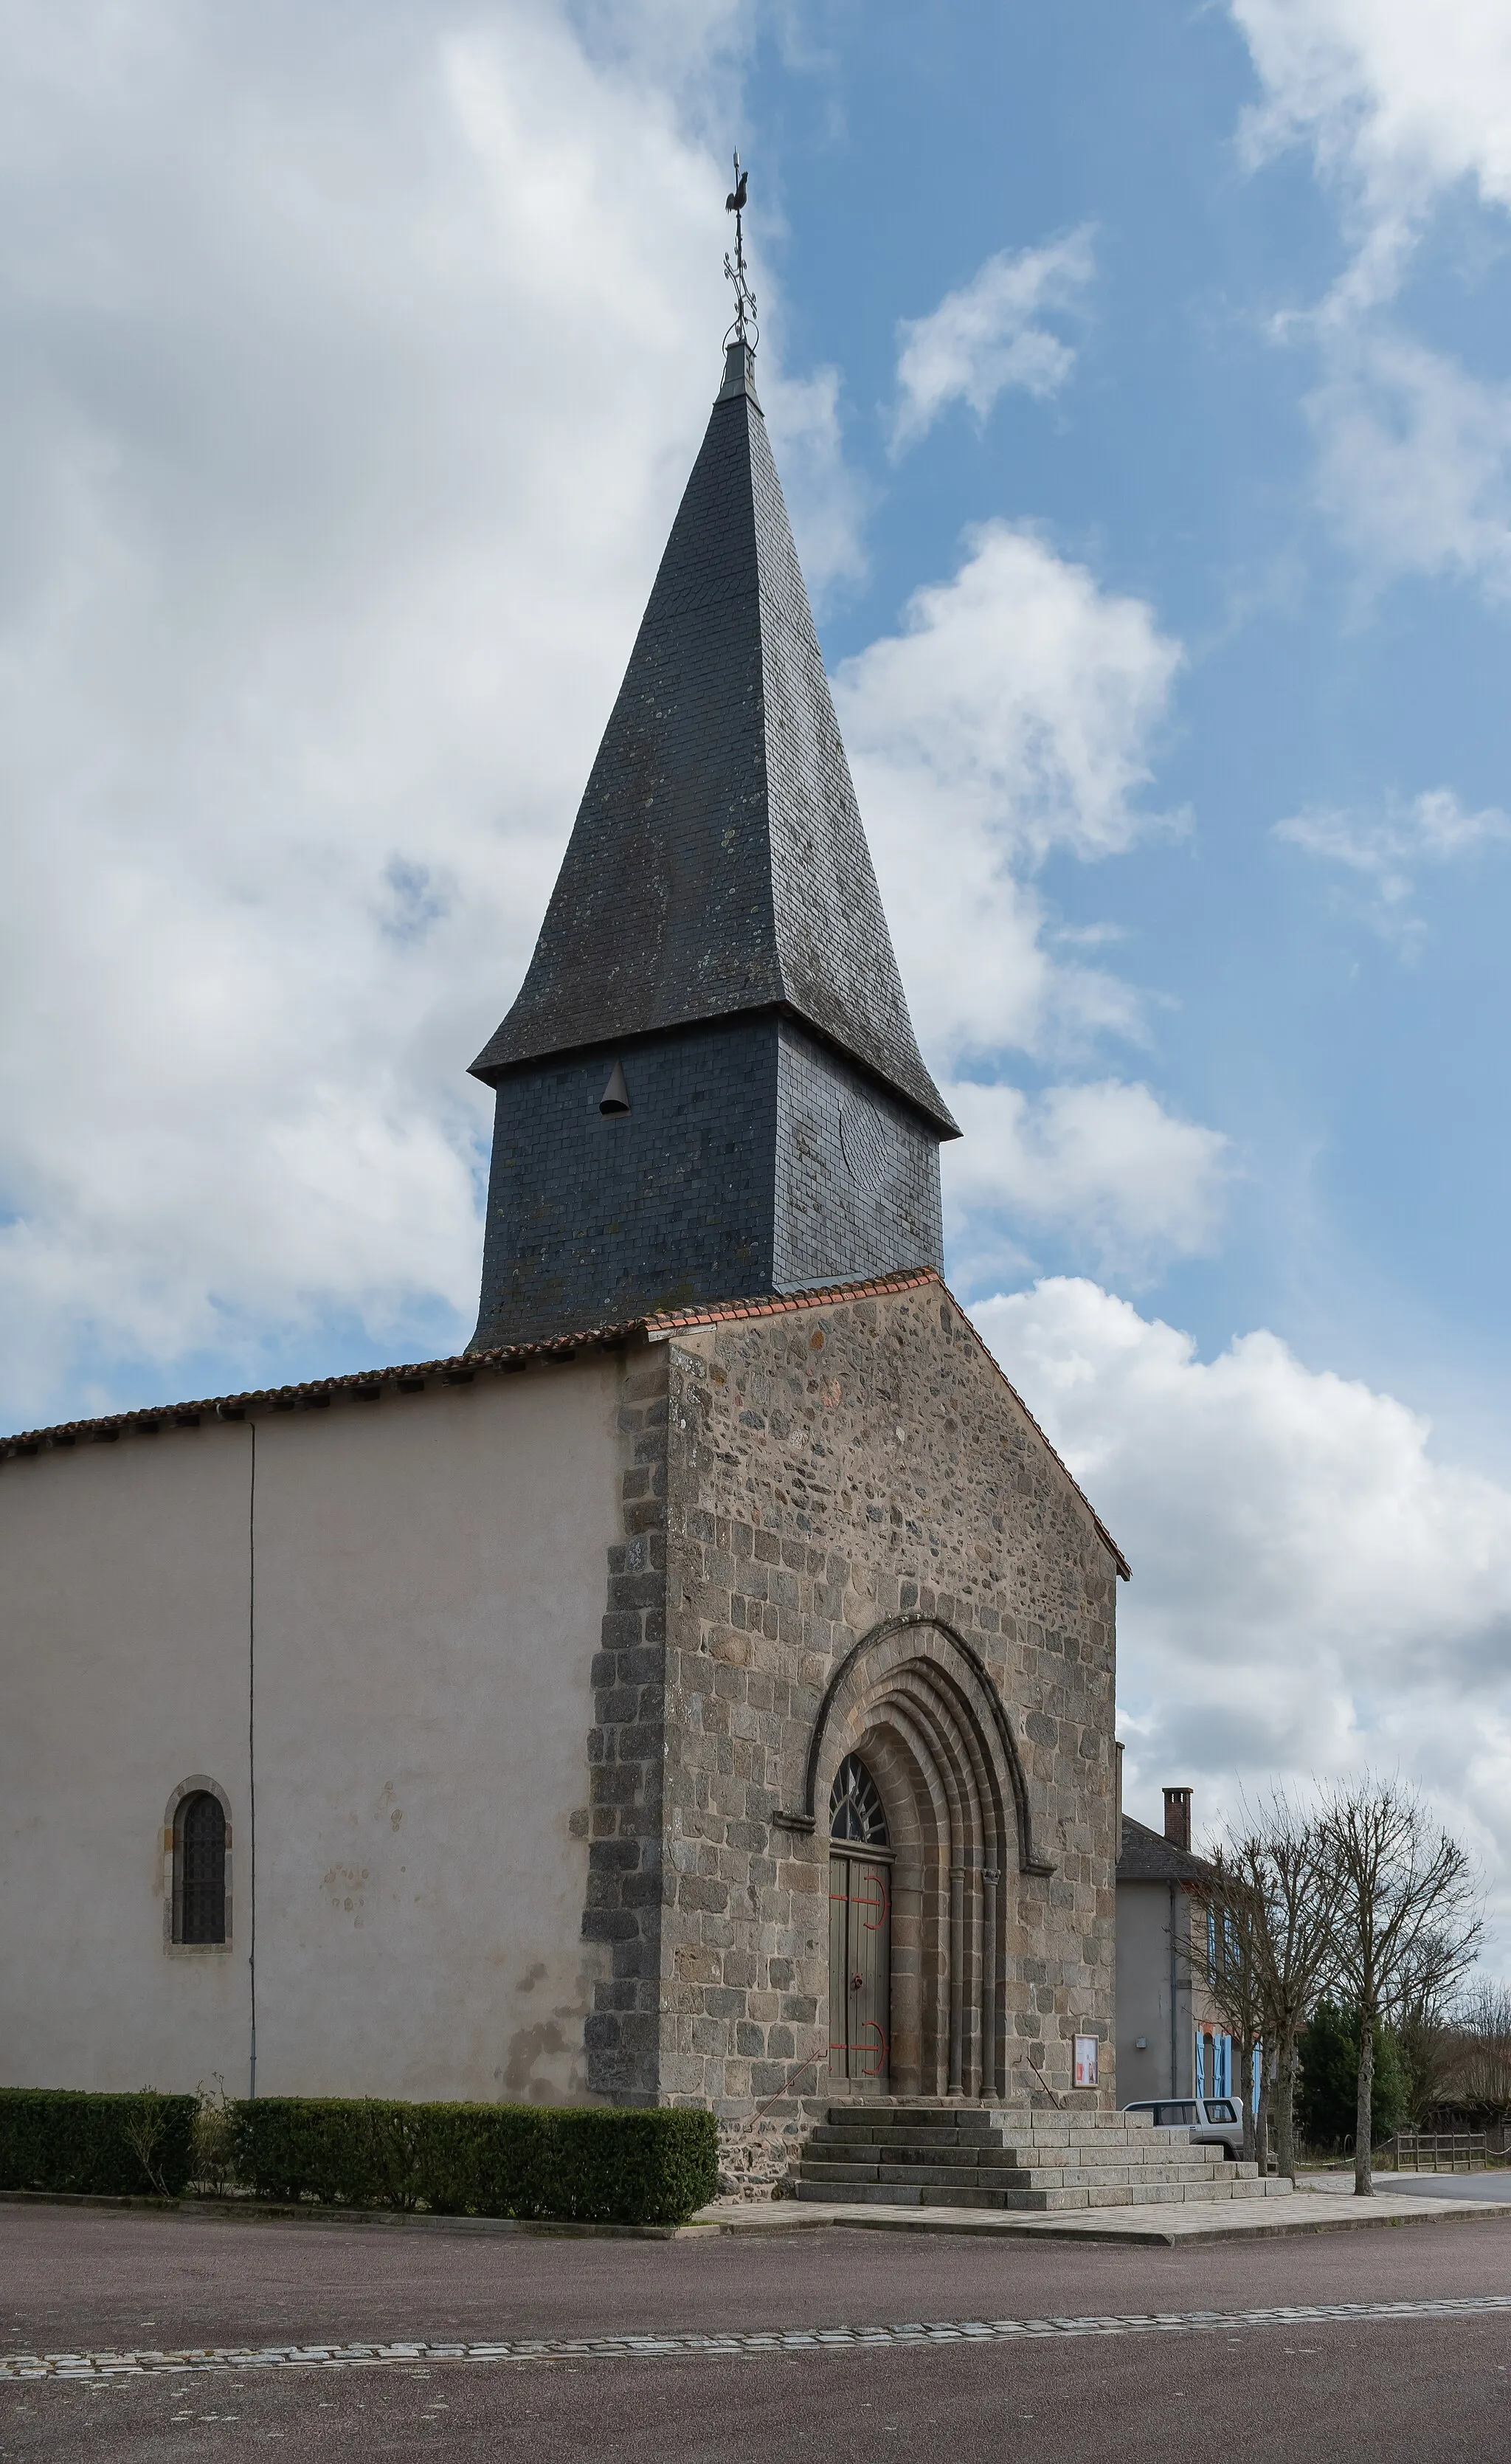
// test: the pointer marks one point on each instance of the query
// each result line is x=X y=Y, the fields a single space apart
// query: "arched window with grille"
x=199 y=1840
x=855 y=1807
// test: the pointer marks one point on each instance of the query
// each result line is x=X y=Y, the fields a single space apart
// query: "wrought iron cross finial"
x=744 y=329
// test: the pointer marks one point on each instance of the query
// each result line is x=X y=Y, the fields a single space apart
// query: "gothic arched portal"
x=913 y=1757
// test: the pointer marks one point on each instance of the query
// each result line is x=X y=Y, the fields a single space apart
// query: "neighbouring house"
x=1169 y=2040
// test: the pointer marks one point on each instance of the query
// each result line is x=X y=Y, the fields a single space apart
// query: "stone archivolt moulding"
x=860 y=1681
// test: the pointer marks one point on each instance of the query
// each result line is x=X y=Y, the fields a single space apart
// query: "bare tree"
x=1406 y=1922
x=1290 y=1858
x=1426 y=2041
x=1280 y=1887
x=1232 y=1964
x=1479 y=2051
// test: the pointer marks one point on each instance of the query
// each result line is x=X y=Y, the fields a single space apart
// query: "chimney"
x=1177 y=1817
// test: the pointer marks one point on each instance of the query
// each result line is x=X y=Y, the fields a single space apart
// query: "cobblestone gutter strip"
x=780 y=2339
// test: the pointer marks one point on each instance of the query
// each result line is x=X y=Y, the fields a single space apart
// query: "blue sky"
x=1141 y=383
x=1352 y=1053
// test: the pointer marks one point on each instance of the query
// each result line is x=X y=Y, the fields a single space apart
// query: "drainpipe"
x=1174 y=1962
x=252 y=1758
x=241 y=1412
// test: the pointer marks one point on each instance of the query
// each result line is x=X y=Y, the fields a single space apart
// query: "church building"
x=701 y=1688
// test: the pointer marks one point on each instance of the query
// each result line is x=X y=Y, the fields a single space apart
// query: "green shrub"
x=119 y=2147
x=650 y=2165
x=1327 y=2099
x=214 y=2157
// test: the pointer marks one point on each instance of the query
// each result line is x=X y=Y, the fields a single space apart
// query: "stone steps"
x=1008 y=2162
x=907 y=2194
x=985 y=2125
x=885 y=2152
x=1133 y=2149
x=1011 y=2176
x=1031 y=2164
x=1006 y=2175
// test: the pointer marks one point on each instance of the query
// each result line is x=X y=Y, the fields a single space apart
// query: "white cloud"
x=1414 y=464
x=1402 y=98
x=1012 y=715
x=986 y=337
x=1104 y=1165
x=345 y=404
x=1312 y=1592
x=824 y=498
x=347 y=395
x=1400 y=104
x=1389 y=852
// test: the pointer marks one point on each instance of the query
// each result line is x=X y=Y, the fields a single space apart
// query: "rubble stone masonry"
x=792 y=1481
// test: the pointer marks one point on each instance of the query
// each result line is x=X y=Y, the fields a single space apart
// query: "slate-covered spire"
x=718 y=864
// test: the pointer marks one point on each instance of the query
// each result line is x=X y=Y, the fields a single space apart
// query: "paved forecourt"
x=1322 y=2203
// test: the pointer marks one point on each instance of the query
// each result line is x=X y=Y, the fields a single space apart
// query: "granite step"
x=1024 y=2177
x=912 y=2194
x=895 y=2148
x=888 y=2152
x=904 y=2151
x=1020 y=2177
x=985 y=2126
x=978 y=2123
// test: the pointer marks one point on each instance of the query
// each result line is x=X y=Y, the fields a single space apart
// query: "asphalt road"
x=1494 y=2188
x=1438 y=2388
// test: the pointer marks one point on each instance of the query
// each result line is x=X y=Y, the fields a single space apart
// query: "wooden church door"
x=860 y=1932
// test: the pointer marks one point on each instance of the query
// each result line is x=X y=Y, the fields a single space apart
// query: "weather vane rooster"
x=744 y=329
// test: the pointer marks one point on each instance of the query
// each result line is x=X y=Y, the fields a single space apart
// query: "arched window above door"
x=856 y=1812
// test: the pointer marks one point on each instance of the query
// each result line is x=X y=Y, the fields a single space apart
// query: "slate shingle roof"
x=718 y=862
x=1149 y=1857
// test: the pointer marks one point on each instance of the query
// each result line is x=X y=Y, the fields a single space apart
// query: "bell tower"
x=708 y=1086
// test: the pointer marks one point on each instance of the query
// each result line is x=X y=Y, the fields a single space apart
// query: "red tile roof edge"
x=462 y=1366
x=667 y=1322
x=457 y=1369
x=457 y=1366
x=671 y=1322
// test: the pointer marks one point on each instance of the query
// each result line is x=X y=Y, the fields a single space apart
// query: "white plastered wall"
x=429 y=1585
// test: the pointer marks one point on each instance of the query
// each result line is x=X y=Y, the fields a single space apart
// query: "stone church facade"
x=699 y=1690
x=847 y=1541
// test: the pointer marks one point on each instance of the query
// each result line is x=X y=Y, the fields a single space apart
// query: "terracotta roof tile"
x=316 y=1394
x=457 y=1370
x=778 y=1304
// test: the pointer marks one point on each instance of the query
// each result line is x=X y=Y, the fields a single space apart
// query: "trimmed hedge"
x=67 y=2139
x=650 y=2165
